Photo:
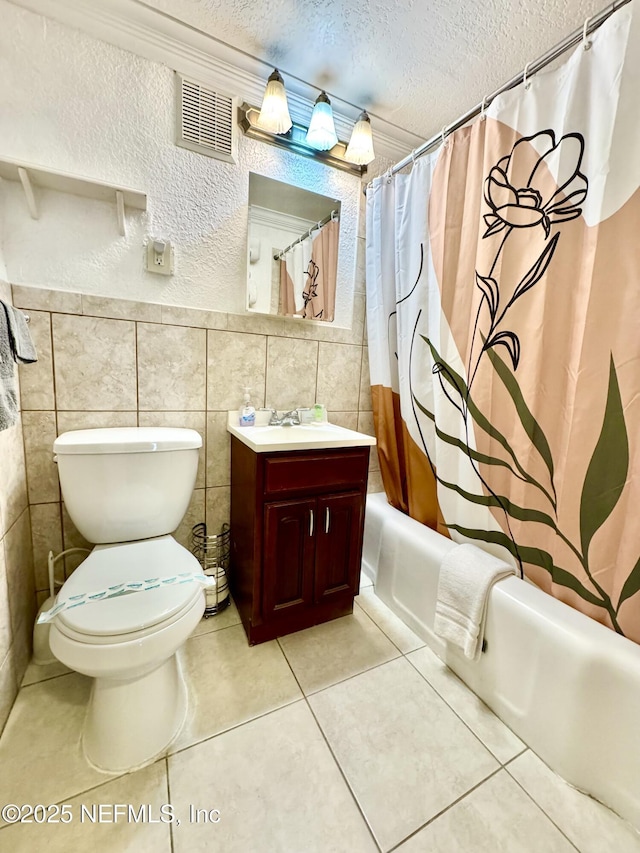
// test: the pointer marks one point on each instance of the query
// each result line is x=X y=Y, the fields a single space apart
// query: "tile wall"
x=17 y=598
x=111 y=362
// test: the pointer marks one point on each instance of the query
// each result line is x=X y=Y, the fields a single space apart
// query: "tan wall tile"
x=183 y=420
x=374 y=483
x=46 y=535
x=176 y=315
x=68 y=421
x=256 y=324
x=339 y=376
x=291 y=372
x=95 y=363
x=234 y=360
x=36 y=380
x=13 y=486
x=171 y=368
x=218 y=450
x=348 y=420
x=20 y=581
x=8 y=688
x=23 y=646
x=120 y=309
x=42 y=299
x=42 y=472
x=5 y=611
x=218 y=508
x=365 y=403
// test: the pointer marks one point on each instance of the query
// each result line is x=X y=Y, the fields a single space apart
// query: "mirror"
x=292 y=250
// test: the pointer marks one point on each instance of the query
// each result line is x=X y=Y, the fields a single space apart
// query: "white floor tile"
x=592 y=827
x=114 y=833
x=395 y=629
x=497 y=817
x=227 y=617
x=41 y=672
x=494 y=734
x=402 y=749
x=231 y=682
x=40 y=750
x=276 y=786
x=336 y=650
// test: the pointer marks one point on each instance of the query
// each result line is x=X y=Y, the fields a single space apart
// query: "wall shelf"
x=30 y=176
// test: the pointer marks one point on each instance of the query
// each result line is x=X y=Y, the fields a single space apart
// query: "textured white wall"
x=77 y=104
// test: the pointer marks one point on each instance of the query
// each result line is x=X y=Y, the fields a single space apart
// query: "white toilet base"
x=129 y=722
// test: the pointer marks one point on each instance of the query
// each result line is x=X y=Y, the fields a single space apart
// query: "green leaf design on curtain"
x=502 y=502
x=631 y=585
x=607 y=471
x=459 y=384
x=530 y=424
x=533 y=556
x=469 y=451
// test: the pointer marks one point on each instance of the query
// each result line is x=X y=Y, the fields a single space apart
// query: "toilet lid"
x=108 y=565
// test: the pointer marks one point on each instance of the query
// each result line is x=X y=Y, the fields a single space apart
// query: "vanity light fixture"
x=296 y=140
x=274 y=114
x=360 y=148
x=322 y=130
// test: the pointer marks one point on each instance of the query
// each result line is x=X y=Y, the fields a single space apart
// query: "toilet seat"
x=127 y=617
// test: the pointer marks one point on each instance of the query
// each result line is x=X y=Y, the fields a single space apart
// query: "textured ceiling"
x=416 y=64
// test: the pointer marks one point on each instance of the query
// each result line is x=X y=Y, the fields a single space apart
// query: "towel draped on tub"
x=467 y=575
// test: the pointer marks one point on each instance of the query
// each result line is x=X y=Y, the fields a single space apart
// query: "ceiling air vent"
x=206 y=120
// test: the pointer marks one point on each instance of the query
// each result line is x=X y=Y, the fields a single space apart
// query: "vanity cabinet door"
x=289 y=555
x=338 y=545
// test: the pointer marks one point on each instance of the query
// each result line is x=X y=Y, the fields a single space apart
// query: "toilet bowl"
x=132 y=482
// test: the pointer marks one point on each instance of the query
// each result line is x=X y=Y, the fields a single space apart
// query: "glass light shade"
x=360 y=147
x=322 y=131
x=274 y=114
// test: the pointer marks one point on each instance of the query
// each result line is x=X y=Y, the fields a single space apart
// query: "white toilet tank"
x=124 y=484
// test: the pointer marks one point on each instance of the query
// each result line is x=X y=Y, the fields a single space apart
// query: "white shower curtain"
x=502 y=309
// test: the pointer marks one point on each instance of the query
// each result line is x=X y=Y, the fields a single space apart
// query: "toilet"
x=126 y=490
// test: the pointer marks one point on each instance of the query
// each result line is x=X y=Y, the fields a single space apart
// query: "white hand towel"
x=466 y=577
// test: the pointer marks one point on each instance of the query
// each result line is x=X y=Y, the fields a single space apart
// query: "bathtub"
x=566 y=685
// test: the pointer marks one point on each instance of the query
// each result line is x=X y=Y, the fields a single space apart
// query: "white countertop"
x=263 y=439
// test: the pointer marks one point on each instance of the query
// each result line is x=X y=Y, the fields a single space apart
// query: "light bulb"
x=274 y=114
x=360 y=148
x=322 y=132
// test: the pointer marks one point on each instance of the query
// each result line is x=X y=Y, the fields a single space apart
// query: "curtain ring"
x=483 y=117
x=413 y=157
x=586 y=42
x=444 y=127
x=389 y=175
x=527 y=83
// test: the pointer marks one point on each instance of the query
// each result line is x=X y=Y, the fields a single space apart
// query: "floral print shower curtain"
x=503 y=305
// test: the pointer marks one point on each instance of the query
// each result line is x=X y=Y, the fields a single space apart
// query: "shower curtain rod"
x=332 y=215
x=530 y=69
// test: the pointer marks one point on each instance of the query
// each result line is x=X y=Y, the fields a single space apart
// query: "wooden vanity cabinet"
x=297 y=520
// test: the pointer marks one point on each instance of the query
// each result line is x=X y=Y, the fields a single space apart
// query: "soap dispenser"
x=247 y=411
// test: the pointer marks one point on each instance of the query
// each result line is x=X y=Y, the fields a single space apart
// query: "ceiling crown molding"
x=154 y=35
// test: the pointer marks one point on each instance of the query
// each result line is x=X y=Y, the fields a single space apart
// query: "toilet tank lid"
x=126 y=440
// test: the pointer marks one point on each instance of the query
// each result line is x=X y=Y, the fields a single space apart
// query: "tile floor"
x=351 y=736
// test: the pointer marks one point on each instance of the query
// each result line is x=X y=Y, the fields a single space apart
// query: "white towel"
x=466 y=577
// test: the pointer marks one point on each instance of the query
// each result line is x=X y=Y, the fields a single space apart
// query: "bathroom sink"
x=263 y=439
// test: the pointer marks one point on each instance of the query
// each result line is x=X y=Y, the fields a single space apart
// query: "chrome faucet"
x=291 y=418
